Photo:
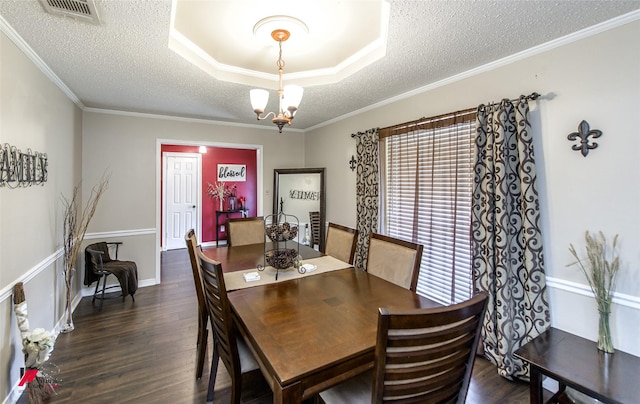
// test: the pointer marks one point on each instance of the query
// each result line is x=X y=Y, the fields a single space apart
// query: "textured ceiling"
x=125 y=64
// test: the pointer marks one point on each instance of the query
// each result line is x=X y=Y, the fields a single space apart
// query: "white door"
x=182 y=176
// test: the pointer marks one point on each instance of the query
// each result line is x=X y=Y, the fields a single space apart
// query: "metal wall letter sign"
x=18 y=169
x=583 y=133
x=232 y=172
x=306 y=195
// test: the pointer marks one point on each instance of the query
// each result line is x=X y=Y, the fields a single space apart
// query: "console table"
x=576 y=362
x=244 y=212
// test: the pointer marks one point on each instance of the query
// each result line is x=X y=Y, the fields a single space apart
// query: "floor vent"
x=84 y=10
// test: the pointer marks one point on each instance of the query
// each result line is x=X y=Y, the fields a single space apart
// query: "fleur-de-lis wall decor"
x=584 y=132
x=352 y=163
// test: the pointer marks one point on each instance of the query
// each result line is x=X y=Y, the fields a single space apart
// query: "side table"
x=576 y=362
x=244 y=212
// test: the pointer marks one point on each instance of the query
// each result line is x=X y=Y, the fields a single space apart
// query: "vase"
x=68 y=326
x=221 y=202
x=604 y=332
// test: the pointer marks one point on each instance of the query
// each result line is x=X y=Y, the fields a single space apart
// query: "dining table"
x=312 y=332
x=238 y=258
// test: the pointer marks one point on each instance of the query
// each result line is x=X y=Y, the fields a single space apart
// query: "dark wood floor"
x=144 y=352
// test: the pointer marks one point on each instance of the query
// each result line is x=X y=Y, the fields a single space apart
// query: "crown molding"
x=33 y=56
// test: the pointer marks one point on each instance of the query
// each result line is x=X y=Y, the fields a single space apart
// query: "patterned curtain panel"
x=367 y=183
x=506 y=238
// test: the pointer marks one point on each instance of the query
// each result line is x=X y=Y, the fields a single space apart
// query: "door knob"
x=193 y=206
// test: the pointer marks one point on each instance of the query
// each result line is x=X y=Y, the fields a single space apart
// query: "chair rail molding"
x=120 y=233
x=621 y=299
x=7 y=291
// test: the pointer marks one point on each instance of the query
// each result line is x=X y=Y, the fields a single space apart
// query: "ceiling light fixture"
x=288 y=98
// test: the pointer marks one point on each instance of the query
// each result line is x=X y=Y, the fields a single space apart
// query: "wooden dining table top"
x=238 y=258
x=310 y=333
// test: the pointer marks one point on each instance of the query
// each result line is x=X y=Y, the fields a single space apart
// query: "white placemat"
x=236 y=280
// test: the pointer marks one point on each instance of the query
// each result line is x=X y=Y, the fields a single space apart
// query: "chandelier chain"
x=286 y=109
x=280 y=62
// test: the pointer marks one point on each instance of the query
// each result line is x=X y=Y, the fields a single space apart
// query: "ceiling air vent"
x=84 y=10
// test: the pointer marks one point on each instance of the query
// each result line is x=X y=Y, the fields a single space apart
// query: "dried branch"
x=18 y=293
x=599 y=270
x=74 y=227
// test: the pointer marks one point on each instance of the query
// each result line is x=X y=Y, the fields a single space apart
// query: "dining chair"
x=421 y=356
x=395 y=260
x=203 y=314
x=246 y=230
x=314 y=222
x=98 y=264
x=228 y=345
x=341 y=242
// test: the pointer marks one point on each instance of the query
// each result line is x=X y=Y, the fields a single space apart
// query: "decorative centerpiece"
x=281 y=232
x=281 y=228
x=601 y=266
x=220 y=191
x=281 y=258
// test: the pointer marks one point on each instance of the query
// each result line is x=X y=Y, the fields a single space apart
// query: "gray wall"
x=34 y=114
x=127 y=146
x=596 y=79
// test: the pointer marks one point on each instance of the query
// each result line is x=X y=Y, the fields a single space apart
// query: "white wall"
x=596 y=79
x=34 y=114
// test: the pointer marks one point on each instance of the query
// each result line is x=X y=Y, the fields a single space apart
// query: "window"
x=428 y=184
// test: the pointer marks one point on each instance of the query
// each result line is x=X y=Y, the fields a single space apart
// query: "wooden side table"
x=244 y=212
x=576 y=362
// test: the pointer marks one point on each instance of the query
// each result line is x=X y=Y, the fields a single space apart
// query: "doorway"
x=182 y=195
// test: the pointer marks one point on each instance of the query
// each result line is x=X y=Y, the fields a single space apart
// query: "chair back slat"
x=215 y=294
x=427 y=355
x=341 y=242
x=314 y=222
x=395 y=260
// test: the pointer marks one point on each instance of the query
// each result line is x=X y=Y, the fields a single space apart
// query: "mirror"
x=298 y=191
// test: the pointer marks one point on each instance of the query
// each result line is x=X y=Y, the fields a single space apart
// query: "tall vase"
x=221 y=202
x=604 y=332
x=68 y=326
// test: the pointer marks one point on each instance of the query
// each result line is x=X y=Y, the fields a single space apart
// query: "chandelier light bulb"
x=292 y=96
x=259 y=99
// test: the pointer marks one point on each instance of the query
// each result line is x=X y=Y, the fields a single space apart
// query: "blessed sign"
x=232 y=172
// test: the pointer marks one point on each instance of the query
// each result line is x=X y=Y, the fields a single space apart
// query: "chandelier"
x=288 y=98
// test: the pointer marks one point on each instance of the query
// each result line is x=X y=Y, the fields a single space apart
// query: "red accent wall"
x=210 y=161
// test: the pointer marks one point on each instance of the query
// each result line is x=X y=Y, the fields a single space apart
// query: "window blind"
x=428 y=189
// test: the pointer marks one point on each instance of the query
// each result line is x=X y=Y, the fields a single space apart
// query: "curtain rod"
x=372 y=130
x=533 y=96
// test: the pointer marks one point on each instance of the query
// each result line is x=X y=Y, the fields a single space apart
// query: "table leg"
x=217 y=228
x=288 y=394
x=535 y=386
